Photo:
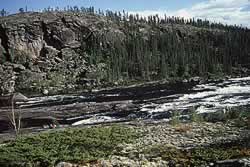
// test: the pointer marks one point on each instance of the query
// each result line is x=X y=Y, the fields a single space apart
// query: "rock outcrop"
x=44 y=49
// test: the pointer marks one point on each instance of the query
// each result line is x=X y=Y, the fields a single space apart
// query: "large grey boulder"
x=19 y=97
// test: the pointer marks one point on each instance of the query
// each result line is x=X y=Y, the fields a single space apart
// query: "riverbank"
x=166 y=122
x=150 y=103
x=134 y=145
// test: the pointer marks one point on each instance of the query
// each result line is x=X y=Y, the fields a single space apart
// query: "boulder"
x=64 y=164
x=233 y=163
x=18 y=67
x=19 y=97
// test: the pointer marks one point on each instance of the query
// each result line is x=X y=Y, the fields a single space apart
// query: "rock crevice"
x=4 y=39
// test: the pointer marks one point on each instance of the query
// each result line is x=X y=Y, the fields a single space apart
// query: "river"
x=150 y=103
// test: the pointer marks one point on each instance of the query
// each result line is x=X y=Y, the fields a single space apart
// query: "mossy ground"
x=82 y=145
x=71 y=145
x=203 y=155
x=199 y=156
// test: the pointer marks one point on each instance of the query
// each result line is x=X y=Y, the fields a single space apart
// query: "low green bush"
x=239 y=115
x=175 y=118
x=71 y=145
x=196 y=117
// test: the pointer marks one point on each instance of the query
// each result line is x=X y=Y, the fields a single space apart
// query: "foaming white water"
x=209 y=97
x=240 y=79
x=93 y=120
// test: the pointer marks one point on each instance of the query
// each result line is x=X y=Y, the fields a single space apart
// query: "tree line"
x=165 y=54
x=163 y=50
x=123 y=16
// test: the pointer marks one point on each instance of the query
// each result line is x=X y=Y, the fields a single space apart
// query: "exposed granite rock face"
x=7 y=79
x=46 y=43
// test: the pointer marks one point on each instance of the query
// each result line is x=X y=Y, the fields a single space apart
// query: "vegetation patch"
x=183 y=128
x=70 y=145
x=199 y=156
x=238 y=115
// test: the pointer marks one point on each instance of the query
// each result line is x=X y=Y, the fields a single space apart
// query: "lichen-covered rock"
x=46 y=43
x=233 y=163
x=7 y=80
x=64 y=164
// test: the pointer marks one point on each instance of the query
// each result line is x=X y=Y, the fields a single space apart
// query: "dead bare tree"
x=15 y=116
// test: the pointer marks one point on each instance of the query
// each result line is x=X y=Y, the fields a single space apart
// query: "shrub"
x=195 y=117
x=175 y=118
x=71 y=145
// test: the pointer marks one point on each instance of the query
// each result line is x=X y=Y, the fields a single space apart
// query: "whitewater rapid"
x=151 y=103
x=208 y=97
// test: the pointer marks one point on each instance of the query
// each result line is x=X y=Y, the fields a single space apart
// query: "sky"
x=224 y=11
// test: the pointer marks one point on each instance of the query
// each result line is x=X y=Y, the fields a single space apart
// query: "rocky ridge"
x=48 y=52
x=46 y=46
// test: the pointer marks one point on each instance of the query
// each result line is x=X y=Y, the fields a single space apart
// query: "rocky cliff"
x=45 y=49
x=51 y=51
